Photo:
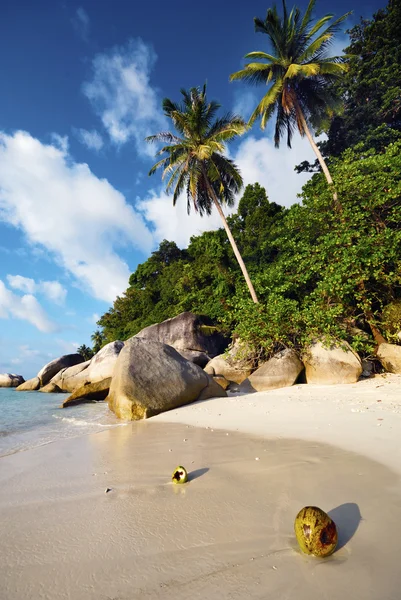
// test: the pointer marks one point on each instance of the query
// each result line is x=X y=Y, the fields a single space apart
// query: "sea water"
x=30 y=419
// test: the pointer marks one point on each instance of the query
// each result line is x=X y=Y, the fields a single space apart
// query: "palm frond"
x=265 y=107
x=258 y=54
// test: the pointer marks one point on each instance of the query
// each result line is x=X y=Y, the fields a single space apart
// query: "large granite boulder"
x=390 y=357
x=50 y=388
x=98 y=368
x=193 y=336
x=235 y=365
x=53 y=367
x=329 y=365
x=66 y=378
x=282 y=370
x=10 y=380
x=150 y=377
x=29 y=386
x=89 y=392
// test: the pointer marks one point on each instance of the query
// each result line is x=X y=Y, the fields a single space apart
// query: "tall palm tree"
x=298 y=73
x=193 y=160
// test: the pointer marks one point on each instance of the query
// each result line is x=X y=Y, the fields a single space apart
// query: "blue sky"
x=82 y=87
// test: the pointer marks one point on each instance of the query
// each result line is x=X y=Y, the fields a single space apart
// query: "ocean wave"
x=83 y=423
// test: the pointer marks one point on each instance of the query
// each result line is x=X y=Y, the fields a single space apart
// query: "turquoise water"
x=30 y=419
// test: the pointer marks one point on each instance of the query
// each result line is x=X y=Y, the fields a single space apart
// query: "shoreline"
x=364 y=417
x=228 y=533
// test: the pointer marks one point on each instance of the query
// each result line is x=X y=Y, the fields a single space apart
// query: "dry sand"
x=228 y=533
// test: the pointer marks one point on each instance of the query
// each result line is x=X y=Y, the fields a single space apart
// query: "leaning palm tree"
x=298 y=72
x=193 y=160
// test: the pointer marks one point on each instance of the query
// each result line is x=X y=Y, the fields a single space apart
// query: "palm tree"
x=98 y=341
x=193 y=160
x=298 y=73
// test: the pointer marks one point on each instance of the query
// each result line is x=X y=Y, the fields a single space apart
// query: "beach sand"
x=228 y=532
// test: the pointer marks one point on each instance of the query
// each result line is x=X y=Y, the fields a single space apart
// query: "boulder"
x=98 y=368
x=222 y=381
x=51 y=388
x=10 y=380
x=235 y=365
x=199 y=358
x=336 y=363
x=65 y=378
x=29 y=386
x=53 y=367
x=193 y=336
x=150 y=377
x=282 y=370
x=212 y=390
x=390 y=357
x=89 y=392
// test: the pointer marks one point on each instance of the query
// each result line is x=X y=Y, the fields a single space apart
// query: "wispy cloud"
x=91 y=139
x=26 y=308
x=80 y=219
x=245 y=102
x=53 y=290
x=122 y=96
x=81 y=23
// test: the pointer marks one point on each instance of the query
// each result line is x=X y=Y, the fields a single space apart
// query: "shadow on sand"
x=347 y=518
x=197 y=473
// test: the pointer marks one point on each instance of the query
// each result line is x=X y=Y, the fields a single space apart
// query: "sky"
x=82 y=87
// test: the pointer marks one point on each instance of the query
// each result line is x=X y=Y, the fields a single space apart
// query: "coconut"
x=180 y=475
x=316 y=533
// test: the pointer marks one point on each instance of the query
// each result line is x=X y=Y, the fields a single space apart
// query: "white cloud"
x=259 y=161
x=67 y=347
x=245 y=102
x=81 y=23
x=53 y=290
x=91 y=139
x=173 y=222
x=60 y=141
x=62 y=206
x=26 y=308
x=24 y=284
x=122 y=96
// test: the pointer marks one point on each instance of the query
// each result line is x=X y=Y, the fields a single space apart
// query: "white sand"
x=364 y=417
x=228 y=533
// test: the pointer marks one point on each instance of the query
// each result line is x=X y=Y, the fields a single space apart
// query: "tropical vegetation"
x=298 y=73
x=193 y=161
x=317 y=272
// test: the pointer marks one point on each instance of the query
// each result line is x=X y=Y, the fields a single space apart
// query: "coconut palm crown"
x=193 y=162
x=194 y=158
x=298 y=73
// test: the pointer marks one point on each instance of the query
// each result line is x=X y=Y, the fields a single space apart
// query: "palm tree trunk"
x=320 y=158
x=232 y=242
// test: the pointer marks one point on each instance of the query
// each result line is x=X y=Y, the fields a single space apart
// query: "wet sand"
x=226 y=534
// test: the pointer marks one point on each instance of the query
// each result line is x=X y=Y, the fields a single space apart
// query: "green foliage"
x=371 y=89
x=193 y=161
x=99 y=340
x=85 y=352
x=391 y=319
x=317 y=273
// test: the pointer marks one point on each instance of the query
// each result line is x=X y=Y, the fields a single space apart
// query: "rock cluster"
x=161 y=368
